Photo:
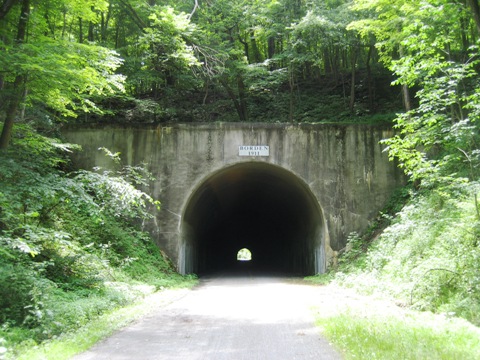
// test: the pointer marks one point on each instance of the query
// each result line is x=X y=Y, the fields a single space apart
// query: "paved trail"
x=228 y=318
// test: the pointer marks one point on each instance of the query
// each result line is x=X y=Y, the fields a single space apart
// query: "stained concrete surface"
x=318 y=184
x=229 y=316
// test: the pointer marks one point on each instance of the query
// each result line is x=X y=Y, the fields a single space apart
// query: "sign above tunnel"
x=254 y=150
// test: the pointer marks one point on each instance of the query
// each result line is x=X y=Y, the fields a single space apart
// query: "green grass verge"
x=70 y=344
x=414 y=336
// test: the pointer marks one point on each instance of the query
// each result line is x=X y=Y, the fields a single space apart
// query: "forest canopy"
x=189 y=61
x=414 y=62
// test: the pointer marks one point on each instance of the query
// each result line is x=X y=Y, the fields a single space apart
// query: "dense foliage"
x=275 y=60
x=149 y=61
x=429 y=255
x=69 y=247
x=427 y=258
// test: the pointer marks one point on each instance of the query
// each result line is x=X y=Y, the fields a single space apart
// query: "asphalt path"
x=226 y=317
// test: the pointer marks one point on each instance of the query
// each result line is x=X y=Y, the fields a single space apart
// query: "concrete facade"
x=318 y=184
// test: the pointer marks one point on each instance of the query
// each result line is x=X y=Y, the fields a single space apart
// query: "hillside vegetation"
x=422 y=254
x=71 y=248
x=428 y=256
x=427 y=259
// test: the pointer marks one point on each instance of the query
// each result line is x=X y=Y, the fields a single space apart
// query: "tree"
x=57 y=74
x=165 y=48
x=440 y=136
x=6 y=7
x=322 y=45
x=475 y=8
x=17 y=88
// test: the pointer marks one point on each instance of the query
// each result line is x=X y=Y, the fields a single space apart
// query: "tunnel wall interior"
x=258 y=206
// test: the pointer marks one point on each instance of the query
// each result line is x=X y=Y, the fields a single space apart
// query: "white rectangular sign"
x=254 y=150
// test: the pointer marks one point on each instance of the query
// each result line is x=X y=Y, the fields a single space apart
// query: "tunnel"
x=256 y=206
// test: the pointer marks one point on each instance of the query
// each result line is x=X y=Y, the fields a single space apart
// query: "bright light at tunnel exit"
x=244 y=255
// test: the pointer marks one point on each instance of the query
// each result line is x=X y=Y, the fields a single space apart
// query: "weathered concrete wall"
x=344 y=166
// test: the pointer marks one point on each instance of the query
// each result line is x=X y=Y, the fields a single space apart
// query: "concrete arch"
x=334 y=177
x=257 y=205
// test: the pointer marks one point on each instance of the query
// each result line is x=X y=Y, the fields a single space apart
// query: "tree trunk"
x=104 y=24
x=291 y=85
x=64 y=26
x=195 y=7
x=352 y=86
x=233 y=97
x=23 y=21
x=243 y=98
x=327 y=66
x=117 y=36
x=17 y=91
x=257 y=57
x=91 y=36
x=464 y=21
x=406 y=98
x=335 y=61
x=370 y=85
x=6 y=7
x=405 y=91
x=133 y=14
x=271 y=47
x=11 y=112
x=103 y=28
x=474 y=6
x=80 y=30
x=246 y=49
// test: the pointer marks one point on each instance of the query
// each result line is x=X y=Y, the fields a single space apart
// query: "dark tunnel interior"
x=257 y=206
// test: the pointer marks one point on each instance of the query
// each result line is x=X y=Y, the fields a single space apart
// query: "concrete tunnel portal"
x=262 y=207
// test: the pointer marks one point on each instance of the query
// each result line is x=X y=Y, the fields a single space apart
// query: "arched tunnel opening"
x=258 y=206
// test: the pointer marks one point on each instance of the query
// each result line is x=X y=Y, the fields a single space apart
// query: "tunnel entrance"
x=258 y=206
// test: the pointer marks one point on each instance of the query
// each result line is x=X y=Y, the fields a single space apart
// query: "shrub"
x=428 y=258
x=70 y=249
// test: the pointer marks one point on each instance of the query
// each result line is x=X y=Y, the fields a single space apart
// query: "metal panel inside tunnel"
x=258 y=206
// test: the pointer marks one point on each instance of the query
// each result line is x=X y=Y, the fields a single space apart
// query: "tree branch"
x=133 y=14
x=194 y=9
x=476 y=12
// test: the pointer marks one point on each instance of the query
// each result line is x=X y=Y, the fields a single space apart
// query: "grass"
x=415 y=336
x=70 y=344
x=428 y=260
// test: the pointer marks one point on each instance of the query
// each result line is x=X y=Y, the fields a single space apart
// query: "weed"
x=427 y=258
x=412 y=336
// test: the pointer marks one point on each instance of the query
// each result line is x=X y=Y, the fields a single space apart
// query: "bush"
x=69 y=246
x=428 y=258
x=16 y=284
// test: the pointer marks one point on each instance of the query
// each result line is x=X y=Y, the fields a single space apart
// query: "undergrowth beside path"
x=70 y=344
x=427 y=260
x=71 y=246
